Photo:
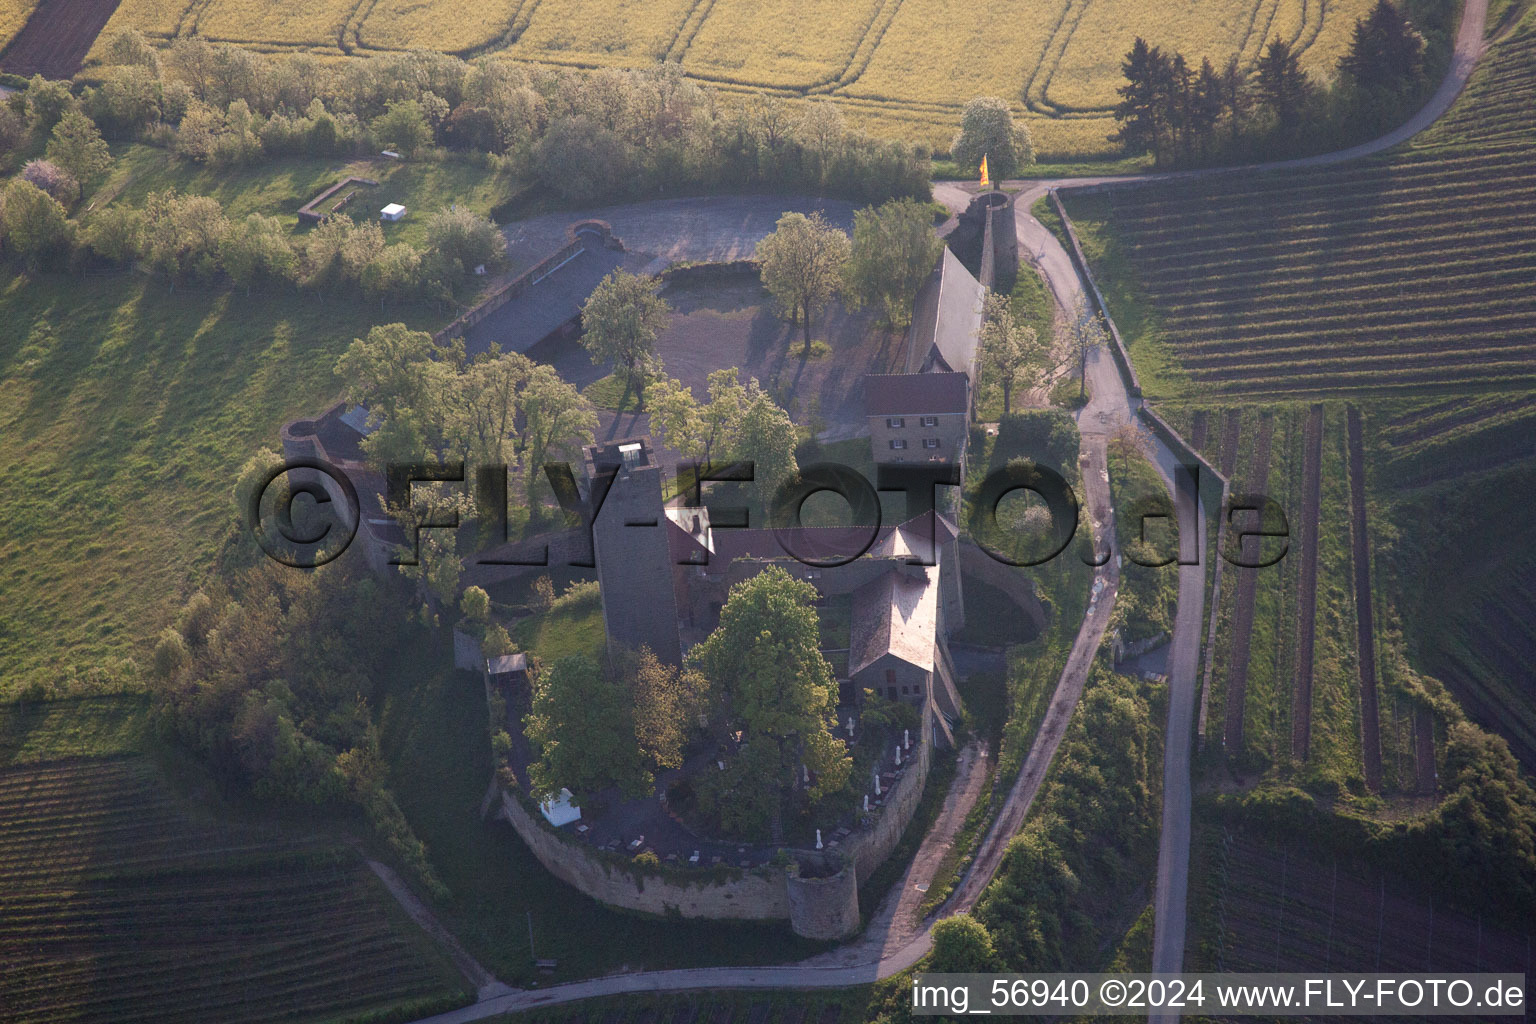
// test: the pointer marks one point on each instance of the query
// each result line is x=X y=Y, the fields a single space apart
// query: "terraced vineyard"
x=901 y=67
x=1264 y=906
x=116 y=905
x=1414 y=272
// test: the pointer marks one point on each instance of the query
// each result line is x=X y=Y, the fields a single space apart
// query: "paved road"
x=1111 y=408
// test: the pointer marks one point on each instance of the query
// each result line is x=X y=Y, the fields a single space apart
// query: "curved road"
x=1111 y=408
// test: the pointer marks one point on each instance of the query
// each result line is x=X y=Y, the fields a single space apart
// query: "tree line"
x=585 y=135
x=1182 y=114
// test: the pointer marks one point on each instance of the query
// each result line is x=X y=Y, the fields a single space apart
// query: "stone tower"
x=630 y=546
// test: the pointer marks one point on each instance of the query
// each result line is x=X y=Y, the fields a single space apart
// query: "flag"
x=986 y=181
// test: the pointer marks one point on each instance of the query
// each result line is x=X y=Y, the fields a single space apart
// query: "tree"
x=620 y=322
x=766 y=435
x=486 y=399
x=987 y=129
x=556 y=416
x=33 y=224
x=667 y=702
x=403 y=127
x=258 y=252
x=183 y=234
x=1087 y=333
x=116 y=234
x=1386 y=52
x=802 y=264
x=675 y=417
x=721 y=415
x=1142 y=112
x=1205 y=106
x=53 y=179
x=78 y=147
x=893 y=252
x=766 y=662
x=580 y=159
x=581 y=725
x=466 y=238
x=475 y=603
x=1010 y=351
x=961 y=945
x=1283 y=87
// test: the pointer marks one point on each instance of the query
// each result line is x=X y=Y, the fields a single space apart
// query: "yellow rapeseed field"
x=615 y=33
x=403 y=24
x=901 y=68
x=13 y=15
x=785 y=54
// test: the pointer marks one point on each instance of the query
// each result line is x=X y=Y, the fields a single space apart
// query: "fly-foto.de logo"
x=306 y=512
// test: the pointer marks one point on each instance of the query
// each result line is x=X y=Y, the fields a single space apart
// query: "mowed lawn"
x=127 y=411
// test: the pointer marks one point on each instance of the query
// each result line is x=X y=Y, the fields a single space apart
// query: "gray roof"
x=507 y=664
x=550 y=303
x=896 y=614
x=914 y=394
x=946 y=319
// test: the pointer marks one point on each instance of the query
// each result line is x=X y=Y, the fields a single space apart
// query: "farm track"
x=1365 y=619
x=1235 y=708
x=1306 y=588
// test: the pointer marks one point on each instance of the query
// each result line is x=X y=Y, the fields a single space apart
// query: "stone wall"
x=825 y=906
x=758 y=895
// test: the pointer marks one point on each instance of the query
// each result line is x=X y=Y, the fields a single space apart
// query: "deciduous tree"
x=987 y=129
x=582 y=727
x=1010 y=351
x=765 y=660
x=893 y=252
x=802 y=264
x=620 y=322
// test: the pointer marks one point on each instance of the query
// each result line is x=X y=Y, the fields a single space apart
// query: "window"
x=898 y=445
x=930 y=442
x=930 y=421
x=895 y=421
x=890 y=676
x=893 y=693
x=905 y=690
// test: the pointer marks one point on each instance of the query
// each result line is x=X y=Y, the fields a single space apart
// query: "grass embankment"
x=132 y=891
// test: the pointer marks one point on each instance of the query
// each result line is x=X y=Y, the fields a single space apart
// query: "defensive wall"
x=817 y=892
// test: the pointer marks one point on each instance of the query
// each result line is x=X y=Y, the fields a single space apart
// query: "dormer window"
x=894 y=422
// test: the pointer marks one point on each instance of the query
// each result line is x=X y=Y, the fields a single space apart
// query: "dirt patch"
x=55 y=40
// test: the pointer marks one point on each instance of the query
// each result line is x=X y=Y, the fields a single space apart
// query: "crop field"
x=120 y=903
x=1415 y=272
x=900 y=67
x=1258 y=905
x=13 y=15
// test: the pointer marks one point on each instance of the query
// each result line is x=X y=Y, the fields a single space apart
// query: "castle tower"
x=630 y=546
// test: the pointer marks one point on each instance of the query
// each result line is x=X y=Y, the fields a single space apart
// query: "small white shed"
x=560 y=811
x=392 y=212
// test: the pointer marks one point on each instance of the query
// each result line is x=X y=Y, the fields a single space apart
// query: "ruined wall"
x=868 y=848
